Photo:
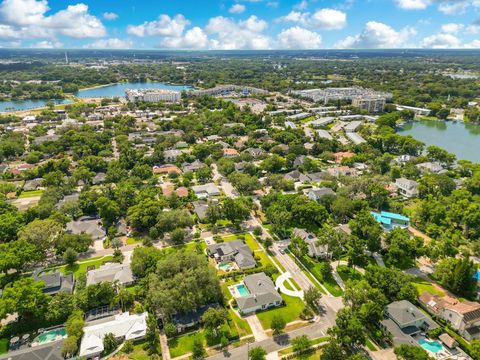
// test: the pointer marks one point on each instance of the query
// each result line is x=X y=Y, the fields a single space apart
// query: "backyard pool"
x=242 y=290
x=225 y=266
x=50 y=336
x=432 y=346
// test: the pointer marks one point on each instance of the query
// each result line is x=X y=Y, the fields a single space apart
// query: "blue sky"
x=240 y=24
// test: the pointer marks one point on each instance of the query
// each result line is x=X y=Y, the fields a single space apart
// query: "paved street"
x=313 y=331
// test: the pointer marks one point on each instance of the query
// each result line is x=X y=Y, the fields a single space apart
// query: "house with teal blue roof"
x=390 y=220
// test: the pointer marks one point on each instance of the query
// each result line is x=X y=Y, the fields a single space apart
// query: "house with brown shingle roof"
x=166 y=169
x=464 y=316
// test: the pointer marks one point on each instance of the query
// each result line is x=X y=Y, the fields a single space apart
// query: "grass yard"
x=264 y=260
x=423 y=285
x=315 y=267
x=242 y=325
x=228 y=238
x=138 y=353
x=183 y=344
x=347 y=273
x=316 y=341
x=81 y=267
x=29 y=194
x=251 y=242
x=132 y=240
x=3 y=346
x=290 y=312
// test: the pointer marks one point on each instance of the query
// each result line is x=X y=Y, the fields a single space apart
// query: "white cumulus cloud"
x=329 y=19
x=376 y=35
x=237 y=9
x=112 y=43
x=45 y=44
x=299 y=38
x=452 y=28
x=29 y=19
x=110 y=16
x=441 y=41
x=227 y=34
x=324 y=19
x=163 y=26
x=413 y=4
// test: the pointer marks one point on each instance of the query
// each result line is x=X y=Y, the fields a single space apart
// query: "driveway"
x=280 y=284
x=257 y=328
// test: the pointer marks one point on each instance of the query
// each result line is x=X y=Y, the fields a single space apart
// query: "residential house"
x=172 y=155
x=339 y=156
x=111 y=272
x=56 y=282
x=207 y=190
x=342 y=171
x=194 y=166
x=314 y=249
x=200 y=208
x=123 y=327
x=403 y=320
x=190 y=319
x=31 y=185
x=229 y=152
x=182 y=192
x=235 y=250
x=262 y=294
x=256 y=152
x=299 y=160
x=433 y=167
x=407 y=188
x=99 y=178
x=87 y=225
x=166 y=169
x=463 y=316
x=296 y=176
x=390 y=220
x=317 y=193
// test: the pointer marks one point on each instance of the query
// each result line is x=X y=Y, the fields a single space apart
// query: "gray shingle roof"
x=261 y=292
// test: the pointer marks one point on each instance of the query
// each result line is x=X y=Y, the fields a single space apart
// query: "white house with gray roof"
x=207 y=190
x=236 y=251
x=111 y=272
x=262 y=294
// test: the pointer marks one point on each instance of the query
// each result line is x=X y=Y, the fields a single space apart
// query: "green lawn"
x=316 y=341
x=138 y=353
x=131 y=241
x=3 y=346
x=29 y=194
x=228 y=238
x=423 y=286
x=81 y=267
x=242 y=325
x=182 y=345
x=290 y=312
x=251 y=242
x=264 y=260
x=347 y=273
x=315 y=267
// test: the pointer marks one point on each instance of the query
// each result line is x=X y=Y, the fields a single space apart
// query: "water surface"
x=115 y=90
x=459 y=138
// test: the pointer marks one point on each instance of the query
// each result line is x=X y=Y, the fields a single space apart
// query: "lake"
x=115 y=90
x=17 y=105
x=112 y=90
x=459 y=138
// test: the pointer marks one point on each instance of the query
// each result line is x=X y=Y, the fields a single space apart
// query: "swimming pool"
x=225 y=266
x=242 y=290
x=51 y=335
x=433 y=346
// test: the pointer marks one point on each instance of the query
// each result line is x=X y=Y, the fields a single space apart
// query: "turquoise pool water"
x=51 y=335
x=242 y=290
x=224 y=266
x=433 y=346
